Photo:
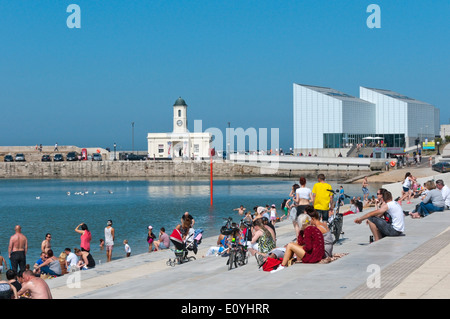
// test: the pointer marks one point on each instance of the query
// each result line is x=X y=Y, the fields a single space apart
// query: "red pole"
x=211 y=178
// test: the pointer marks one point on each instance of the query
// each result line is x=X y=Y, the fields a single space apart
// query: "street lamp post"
x=438 y=153
x=132 y=137
x=228 y=142
x=115 y=151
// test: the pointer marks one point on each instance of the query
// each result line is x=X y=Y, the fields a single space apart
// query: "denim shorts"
x=384 y=227
x=162 y=246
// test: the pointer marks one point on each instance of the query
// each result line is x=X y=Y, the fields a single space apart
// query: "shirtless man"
x=17 y=249
x=241 y=210
x=46 y=244
x=35 y=286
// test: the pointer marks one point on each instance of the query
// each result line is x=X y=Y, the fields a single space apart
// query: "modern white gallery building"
x=327 y=121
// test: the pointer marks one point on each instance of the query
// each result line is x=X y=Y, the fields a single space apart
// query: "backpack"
x=271 y=263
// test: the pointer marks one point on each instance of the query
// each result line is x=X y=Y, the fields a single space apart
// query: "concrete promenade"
x=414 y=266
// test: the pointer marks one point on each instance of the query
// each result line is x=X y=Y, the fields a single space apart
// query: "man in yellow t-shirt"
x=322 y=197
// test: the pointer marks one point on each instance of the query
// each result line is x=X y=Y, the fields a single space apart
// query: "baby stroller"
x=182 y=248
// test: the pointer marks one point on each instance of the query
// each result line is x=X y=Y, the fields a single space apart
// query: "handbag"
x=387 y=217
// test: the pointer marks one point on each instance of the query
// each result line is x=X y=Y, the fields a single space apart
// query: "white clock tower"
x=180 y=143
x=180 y=116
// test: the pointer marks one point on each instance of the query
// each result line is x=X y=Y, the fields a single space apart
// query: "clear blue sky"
x=231 y=60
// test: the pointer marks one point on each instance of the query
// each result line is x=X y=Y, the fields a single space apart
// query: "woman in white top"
x=109 y=239
x=302 y=199
x=303 y=196
x=407 y=190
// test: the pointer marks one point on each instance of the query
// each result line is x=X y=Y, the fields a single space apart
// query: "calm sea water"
x=44 y=206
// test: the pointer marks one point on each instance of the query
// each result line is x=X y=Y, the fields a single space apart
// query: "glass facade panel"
x=342 y=140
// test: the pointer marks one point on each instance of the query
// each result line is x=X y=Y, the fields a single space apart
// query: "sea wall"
x=143 y=169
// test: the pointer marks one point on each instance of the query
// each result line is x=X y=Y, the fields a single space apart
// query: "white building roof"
x=333 y=93
x=397 y=96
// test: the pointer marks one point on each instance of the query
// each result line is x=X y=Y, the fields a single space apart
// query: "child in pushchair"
x=182 y=247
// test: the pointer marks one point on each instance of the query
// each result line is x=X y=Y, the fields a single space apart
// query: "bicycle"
x=336 y=224
x=237 y=253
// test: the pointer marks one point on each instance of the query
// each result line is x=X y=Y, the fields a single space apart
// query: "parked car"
x=442 y=167
x=46 y=158
x=72 y=156
x=134 y=157
x=20 y=157
x=8 y=158
x=96 y=157
x=58 y=158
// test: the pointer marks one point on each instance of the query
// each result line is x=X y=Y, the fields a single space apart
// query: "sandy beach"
x=398 y=175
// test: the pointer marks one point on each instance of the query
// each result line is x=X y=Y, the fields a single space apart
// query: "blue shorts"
x=405 y=189
x=365 y=190
x=162 y=246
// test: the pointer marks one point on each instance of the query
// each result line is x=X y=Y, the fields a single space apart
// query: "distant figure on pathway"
x=365 y=189
x=17 y=250
x=56 y=147
x=109 y=239
x=35 y=286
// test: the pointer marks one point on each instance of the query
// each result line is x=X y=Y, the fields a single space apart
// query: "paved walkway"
x=413 y=266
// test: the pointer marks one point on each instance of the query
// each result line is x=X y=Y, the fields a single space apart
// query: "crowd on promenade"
x=25 y=281
x=307 y=209
x=310 y=210
x=434 y=195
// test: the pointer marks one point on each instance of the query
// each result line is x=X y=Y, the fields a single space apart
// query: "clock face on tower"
x=179 y=122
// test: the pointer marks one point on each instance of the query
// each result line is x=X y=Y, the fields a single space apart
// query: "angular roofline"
x=395 y=95
x=336 y=94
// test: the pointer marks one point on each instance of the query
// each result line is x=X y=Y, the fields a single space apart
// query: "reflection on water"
x=178 y=190
x=58 y=206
